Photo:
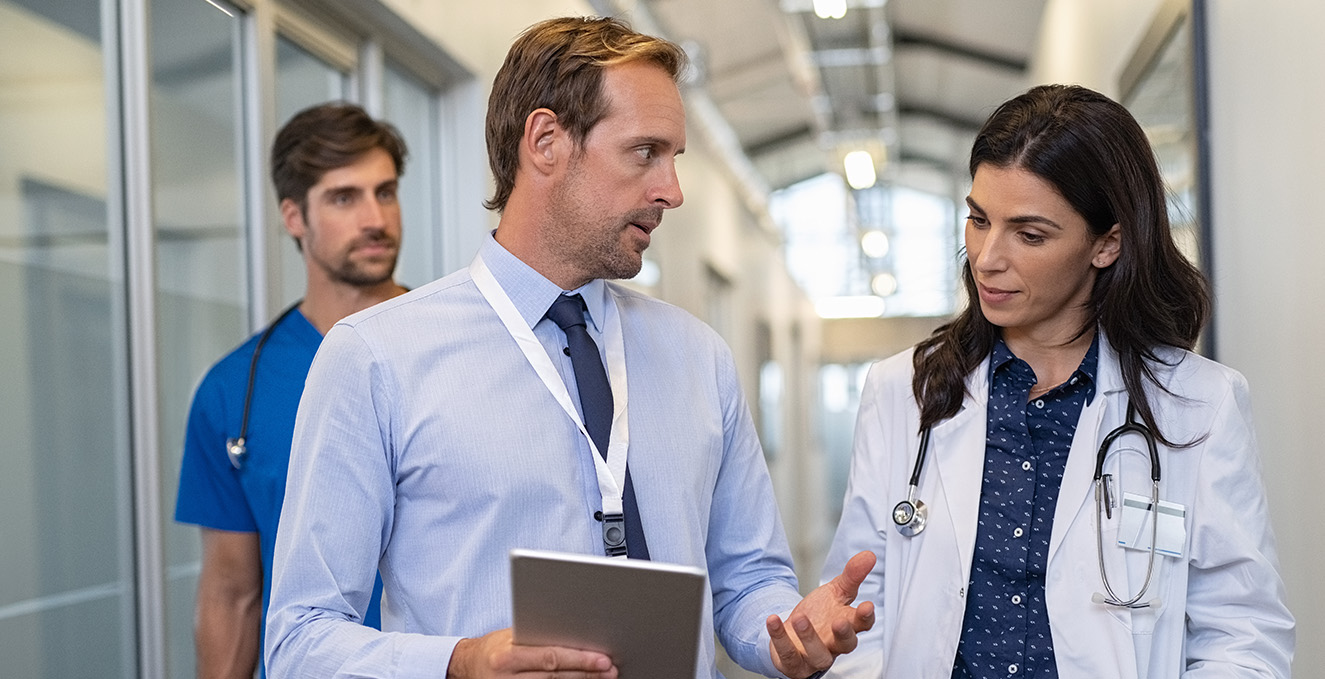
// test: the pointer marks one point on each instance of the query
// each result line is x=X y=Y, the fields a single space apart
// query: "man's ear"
x=544 y=143
x=292 y=216
x=1108 y=248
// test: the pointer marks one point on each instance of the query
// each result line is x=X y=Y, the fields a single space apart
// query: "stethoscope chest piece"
x=236 y=450
x=909 y=516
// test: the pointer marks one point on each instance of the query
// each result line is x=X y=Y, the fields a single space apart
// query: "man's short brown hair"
x=558 y=64
x=323 y=138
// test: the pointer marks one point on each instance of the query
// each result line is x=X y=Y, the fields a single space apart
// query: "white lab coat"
x=1223 y=612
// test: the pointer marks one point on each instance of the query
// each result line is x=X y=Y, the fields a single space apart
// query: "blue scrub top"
x=212 y=493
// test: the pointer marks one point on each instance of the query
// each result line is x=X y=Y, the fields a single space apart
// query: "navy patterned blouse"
x=1006 y=629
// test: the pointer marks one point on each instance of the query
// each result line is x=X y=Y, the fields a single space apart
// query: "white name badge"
x=1134 y=528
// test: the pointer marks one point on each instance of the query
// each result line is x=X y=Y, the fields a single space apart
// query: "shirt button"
x=1016 y=599
x=1012 y=669
x=1026 y=465
x=1072 y=381
x=1016 y=532
x=1039 y=403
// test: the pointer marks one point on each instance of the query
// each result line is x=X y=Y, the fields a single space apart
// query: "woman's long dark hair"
x=1096 y=155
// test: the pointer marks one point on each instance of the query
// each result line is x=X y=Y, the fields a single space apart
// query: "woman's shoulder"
x=1190 y=374
x=1191 y=370
x=894 y=372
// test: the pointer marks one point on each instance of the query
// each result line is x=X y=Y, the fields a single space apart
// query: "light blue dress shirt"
x=426 y=446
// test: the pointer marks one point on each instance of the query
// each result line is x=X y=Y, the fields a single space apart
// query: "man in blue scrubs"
x=336 y=173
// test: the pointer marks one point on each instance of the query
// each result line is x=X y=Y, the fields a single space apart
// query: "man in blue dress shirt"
x=443 y=428
x=336 y=170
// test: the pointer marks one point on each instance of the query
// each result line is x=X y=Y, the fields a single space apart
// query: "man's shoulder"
x=285 y=343
x=442 y=291
x=235 y=363
x=637 y=307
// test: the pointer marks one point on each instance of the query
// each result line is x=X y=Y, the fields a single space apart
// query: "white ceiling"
x=916 y=77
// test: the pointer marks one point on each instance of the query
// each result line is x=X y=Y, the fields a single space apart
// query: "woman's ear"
x=1107 y=248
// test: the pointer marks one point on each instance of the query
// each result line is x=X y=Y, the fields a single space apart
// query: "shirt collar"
x=531 y=292
x=1002 y=356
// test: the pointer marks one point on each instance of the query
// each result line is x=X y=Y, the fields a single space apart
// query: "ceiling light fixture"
x=859 y=166
x=830 y=9
x=884 y=284
x=874 y=244
x=862 y=306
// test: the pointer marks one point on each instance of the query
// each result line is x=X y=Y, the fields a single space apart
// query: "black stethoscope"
x=237 y=448
x=909 y=515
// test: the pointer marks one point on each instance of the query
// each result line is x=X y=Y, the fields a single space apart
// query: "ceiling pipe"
x=708 y=121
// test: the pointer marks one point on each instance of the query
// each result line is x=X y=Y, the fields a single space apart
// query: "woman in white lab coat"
x=1080 y=304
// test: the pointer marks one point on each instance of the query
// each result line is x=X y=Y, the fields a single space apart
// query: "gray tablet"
x=644 y=614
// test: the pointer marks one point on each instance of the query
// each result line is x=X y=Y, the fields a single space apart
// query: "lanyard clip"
x=614 y=533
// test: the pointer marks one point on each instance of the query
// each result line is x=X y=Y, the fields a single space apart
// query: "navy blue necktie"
x=596 y=402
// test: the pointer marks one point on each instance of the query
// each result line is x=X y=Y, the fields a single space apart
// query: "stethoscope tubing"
x=911 y=514
x=237 y=448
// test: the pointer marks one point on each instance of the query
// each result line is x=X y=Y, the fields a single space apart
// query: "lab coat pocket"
x=1132 y=572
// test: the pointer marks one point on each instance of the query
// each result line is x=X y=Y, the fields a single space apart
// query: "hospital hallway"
x=825 y=184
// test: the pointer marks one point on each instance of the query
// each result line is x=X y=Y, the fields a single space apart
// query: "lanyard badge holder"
x=610 y=470
x=614 y=533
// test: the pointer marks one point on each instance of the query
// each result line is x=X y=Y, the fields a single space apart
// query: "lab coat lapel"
x=957 y=451
x=1076 y=499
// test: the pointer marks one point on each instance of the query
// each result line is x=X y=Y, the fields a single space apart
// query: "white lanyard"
x=612 y=471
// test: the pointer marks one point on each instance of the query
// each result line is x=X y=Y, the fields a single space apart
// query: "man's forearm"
x=226 y=636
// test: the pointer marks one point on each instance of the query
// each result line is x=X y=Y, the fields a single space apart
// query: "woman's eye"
x=1032 y=238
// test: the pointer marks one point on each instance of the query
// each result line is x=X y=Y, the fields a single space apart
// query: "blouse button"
x=1012 y=669
x=1016 y=533
x=1016 y=599
x=1026 y=465
x=1039 y=403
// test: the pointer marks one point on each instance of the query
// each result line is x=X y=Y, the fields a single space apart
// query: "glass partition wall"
x=302 y=79
x=197 y=169
x=129 y=170
x=66 y=545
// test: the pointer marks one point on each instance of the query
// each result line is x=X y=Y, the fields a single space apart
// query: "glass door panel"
x=198 y=206
x=66 y=540
x=412 y=107
x=302 y=80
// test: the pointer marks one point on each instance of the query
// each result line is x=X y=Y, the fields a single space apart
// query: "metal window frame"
x=135 y=185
